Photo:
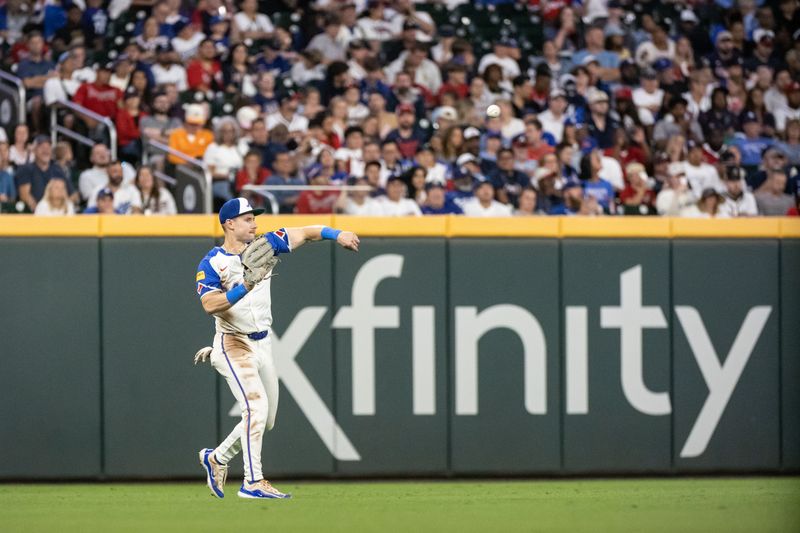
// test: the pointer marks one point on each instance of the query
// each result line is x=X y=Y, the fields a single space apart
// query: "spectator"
x=155 y=198
x=250 y=24
x=593 y=185
x=204 y=73
x=356 y=202
x=192 y=139
x=607 y=60
x=738 y=201
x=104 y=203
x=771 y=197
x=168 y=68
x=32 y=178
x=718 y=117
x=316 y=202
x=484 y=204
x=328 y=42
x=752 y=145
x=433 y=170
x=252 y=173
x=128 y=132
x=675 y=199
x=415 y=184
x=572 y=199
x=61 y=87
x=100 y=97
x=755 y=104
x=21 y=152
x=395 y=203
x=527 y=203
x=158 y=126
x=709 y=205
x=34 y=71
x=121 y=76
x=648 y=98
x=55 y=201
x=62 y=155
x=508 y=182
x=790 y=111
x=437 y=202
x=287 y=115
x=95 y=177
x=700 y=174
x=408 y=136
x=95 y=23
x=150 y=40
x=791 y=144
x=8 y=191
x=601 y=127
x=637 y=198
x=677 y=123
x=373 y=26
x=187 y=40
x=284 y=173
x=553 y=119
x=127 y=199
x=223 y=158
x=506 y=55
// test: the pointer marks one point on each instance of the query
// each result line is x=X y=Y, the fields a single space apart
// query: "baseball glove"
x=258 y=260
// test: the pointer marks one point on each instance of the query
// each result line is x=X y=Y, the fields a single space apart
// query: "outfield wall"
x=574 y=346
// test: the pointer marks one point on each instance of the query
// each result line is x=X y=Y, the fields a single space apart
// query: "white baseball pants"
x=248 y=367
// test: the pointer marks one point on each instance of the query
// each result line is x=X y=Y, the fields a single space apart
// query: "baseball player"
x=233 y=282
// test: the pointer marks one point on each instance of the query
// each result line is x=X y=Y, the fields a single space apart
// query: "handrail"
x=20 y=90
x=209 y=199
x=265 y=191
x=107 y=122
x=259 y=188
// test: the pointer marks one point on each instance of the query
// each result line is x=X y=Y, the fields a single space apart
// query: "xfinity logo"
x=631 y=317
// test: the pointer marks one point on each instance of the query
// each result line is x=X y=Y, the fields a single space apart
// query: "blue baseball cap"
x=236 y=208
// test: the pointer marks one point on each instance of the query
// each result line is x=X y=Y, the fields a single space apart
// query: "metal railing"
x=17 y=82
x=208 y=201
x=266 y=191
x=56 y=129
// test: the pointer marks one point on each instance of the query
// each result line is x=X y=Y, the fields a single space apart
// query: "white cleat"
x=216 y=474
x=261 y=490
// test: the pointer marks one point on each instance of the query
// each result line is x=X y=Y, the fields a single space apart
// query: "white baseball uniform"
x=242 y=352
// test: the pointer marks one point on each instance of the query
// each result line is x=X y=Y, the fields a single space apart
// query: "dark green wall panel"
x=504 y=435
x=619 y=421
x=400 y=274
x=723 y=290
x=50 y=358
x=790 y=352
x=159 y=409
x=294 y=446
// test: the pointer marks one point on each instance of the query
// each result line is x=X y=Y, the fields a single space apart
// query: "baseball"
x=493 y=111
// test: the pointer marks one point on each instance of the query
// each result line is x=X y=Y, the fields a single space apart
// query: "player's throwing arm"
x=233 y=282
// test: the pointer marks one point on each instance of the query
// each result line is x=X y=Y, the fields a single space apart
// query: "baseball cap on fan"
x=236 y=207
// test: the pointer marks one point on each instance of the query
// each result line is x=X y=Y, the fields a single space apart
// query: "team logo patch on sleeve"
x=280 y=233
x=200 y=276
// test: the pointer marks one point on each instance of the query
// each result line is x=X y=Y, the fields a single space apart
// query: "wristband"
x=330 y=234
x=236 y=294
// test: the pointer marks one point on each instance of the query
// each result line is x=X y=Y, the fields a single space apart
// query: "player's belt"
x=258 y=335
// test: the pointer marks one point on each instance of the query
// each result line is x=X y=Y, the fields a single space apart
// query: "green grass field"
x=617 y=505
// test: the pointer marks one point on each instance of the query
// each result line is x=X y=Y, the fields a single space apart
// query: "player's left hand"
x=202 y=355
x=349 y=240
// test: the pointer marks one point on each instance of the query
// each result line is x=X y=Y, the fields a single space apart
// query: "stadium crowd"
x=606 y=107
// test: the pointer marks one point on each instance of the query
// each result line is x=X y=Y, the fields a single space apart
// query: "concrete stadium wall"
x=432 y=354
